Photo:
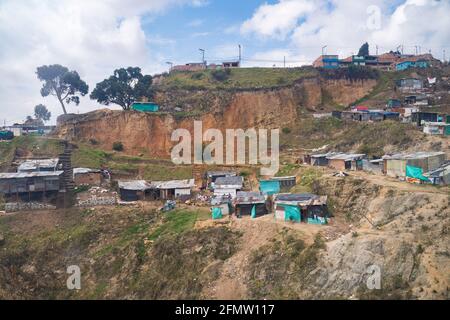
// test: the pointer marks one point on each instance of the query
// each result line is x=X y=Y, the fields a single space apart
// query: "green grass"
x=88 y=157
x=176 y=222
x=25 y=145
x=238 y=78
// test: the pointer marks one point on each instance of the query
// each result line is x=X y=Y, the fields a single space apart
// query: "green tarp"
x=216 y=213
x=254 y=211
x=269 y=187
x=292 y=213
x=416 y=173
x=145 y=107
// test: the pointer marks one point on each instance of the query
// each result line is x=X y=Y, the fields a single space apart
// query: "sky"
x=96 y=37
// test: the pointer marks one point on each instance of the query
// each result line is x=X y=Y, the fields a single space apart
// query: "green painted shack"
x=145 y=106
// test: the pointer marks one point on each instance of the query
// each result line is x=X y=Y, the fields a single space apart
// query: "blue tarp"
x=216 y=213
x=291 y=213
x=254 y=211
x=416 y=173
x=269 y=187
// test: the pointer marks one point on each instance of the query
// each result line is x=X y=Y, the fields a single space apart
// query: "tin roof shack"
x=304 y=207
x=173 y=189
x=345 y=161
x=250 y=203
x=211 y=176
x=419 y=117
x=38 y=165
x=225 y=186
x=86 y=176
x=436 y=128
x=395 y=165
x=441 y=175
x=409 y=85
x=30 y=186
x=6 y=135
x=134 y=190
x=286 y=183
x=318 y=159
x=221 y=206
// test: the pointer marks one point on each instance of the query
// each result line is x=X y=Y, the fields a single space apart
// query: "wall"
x=100 y=201
x=337 y=164
x=94 y=178
x=27 y=206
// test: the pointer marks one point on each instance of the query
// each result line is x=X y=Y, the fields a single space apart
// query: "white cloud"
x=277 y=20
x=195 y=23
x=92 y=37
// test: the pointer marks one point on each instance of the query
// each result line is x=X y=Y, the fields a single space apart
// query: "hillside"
x=138 y=252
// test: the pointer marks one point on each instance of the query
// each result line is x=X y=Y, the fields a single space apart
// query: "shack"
x=441 y=175
x=38 y=165
x=303 y=207
x=29 y=186
x=318 y=159
x=228 y=186
x=173 y=189
x=250 y=203
x=436 y=128
x=345 y=161
x=134 y=190
x=212 y=176
x=395 y=165
x=86 y=176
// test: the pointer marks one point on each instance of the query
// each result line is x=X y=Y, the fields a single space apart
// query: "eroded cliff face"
x=151 y=133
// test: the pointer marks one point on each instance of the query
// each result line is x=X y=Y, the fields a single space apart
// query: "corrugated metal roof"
x=284 y=178
x=19 y=175
x=137 y=185
x=35 y=165
x=243 y=197
x=85 y=170
x=346 y=156
x=303 y=198
x=414 y=155
x=220 y=173
x=174 y=184
x=229 y=181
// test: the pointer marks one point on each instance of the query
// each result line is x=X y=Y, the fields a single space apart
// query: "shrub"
x=118 y=146
x=286 y=130
x=93 y=142
x=221 y=75
x=197 y=76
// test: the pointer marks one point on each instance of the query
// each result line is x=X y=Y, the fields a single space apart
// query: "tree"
x=65 y=85
x=30 y=121
x=41 y=112
x=123 y=88
x=364 y=50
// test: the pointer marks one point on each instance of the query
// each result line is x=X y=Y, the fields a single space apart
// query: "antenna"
x=240 y=54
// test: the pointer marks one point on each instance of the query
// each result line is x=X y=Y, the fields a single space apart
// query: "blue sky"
x=96 y=37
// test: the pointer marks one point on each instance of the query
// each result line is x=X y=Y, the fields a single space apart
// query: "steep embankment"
x=221 y=109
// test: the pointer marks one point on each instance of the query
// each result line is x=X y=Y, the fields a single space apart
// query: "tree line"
x=123 y=88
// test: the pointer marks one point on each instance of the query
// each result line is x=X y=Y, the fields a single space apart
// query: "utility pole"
x=203 y=55
x=240 y=55
x=417 y=50
x=444 y=55
x=323 y=50
x=284 y=62
x=376 y=48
